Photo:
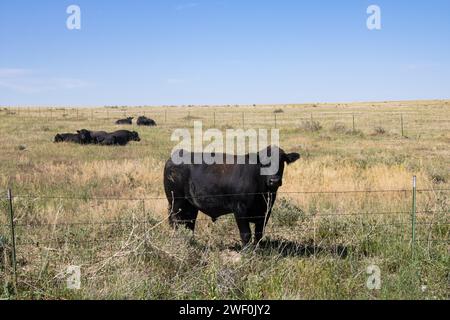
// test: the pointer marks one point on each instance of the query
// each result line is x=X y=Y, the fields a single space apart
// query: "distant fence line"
x=106 y=114
x=223 y=117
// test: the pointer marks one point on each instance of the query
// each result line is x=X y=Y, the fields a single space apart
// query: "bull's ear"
x=292 y=157
x=78 y=131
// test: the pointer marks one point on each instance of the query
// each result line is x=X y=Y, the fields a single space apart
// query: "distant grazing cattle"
x=98 y=136
x=125 y=121
x=107 y=140
x=144 y=121
x=220 y=189
x=81 y=137
x=121 y=137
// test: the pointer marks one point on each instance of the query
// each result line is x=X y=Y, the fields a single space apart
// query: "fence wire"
x=232 y=218
x=331 y=192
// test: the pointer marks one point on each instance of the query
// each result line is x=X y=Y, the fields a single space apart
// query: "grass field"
x=103 y=208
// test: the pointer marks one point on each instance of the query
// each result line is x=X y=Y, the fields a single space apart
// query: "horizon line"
x=295 y=104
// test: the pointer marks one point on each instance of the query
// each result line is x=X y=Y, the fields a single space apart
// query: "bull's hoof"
x=247 y=247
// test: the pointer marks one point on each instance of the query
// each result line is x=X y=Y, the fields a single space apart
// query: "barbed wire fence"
x=126 y=234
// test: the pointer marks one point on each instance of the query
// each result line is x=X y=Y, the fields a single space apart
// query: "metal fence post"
x=401 y=120
x=214 y=119
x=243 y=120
x=13 y=237
x=275 y=119
x=353 y=123
x=145 y=219
x=413 y=215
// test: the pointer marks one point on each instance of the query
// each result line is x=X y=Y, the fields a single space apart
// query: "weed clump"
x=313 y=126
x=379 y=131
x=287 y=214
x=341 y=128
x=3 y=252
x=189 y=118
x=438 y=177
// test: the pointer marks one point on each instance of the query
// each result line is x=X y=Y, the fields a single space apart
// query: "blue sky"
x=168 y=52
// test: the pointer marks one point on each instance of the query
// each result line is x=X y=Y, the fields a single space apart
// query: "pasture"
x=345 y=206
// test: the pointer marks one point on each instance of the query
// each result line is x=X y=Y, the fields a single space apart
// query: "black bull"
x=220 y=189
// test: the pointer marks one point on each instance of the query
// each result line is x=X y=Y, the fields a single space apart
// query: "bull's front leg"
x=259 y=231
x=244 y=226
x=260 y=227
x=261 y=224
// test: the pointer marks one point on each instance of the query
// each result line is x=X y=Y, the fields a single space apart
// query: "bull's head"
x=272 y=161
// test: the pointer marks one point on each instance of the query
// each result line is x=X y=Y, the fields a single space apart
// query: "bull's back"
x=214 y=189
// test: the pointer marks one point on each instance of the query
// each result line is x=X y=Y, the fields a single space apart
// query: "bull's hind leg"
x=189 y=215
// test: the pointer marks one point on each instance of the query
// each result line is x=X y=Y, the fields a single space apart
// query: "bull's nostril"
x=275 y=182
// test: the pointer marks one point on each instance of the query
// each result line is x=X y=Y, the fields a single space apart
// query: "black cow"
x=108 y=140
x=220 y=189
x=98 y=136
x=121 y=137
x=144 y=121
x=81 y=137
x=128 y=120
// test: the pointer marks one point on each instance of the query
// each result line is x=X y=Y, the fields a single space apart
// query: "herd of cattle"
x=141 y=121
x=120 y=137
x=214 y=189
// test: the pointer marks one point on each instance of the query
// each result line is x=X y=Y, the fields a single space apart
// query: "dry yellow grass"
x=335 y=158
